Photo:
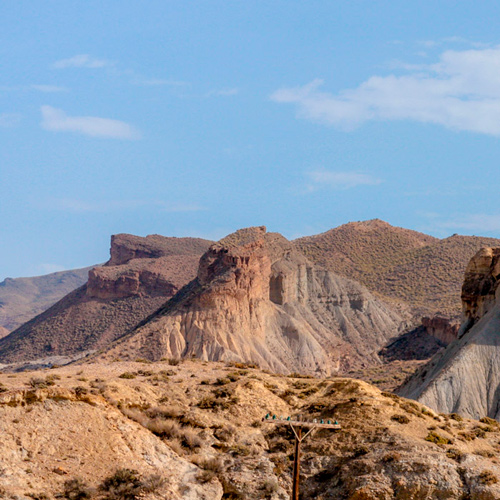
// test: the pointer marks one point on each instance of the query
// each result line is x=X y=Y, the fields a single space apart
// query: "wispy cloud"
x=82 y=61
x=83 y=206
x=10 y=120
x=49 y=88
x=472 y=222
x=339 y=180
x=157 y=82
x=461 y=91
x=57 y=120
x=224 y=92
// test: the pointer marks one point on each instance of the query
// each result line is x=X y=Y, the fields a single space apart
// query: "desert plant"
x=127 y=484
x=402 y=419
x=487 y=477
x=434 y=437
x=127 y=375
x=76 y=489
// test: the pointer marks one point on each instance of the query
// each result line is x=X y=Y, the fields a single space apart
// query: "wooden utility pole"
x=297 y=426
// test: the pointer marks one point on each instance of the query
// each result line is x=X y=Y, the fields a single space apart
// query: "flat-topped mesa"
x=148 y=267
x=479 y=291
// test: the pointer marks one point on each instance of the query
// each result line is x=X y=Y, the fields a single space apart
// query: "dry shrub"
x=487 y=477
x=402 y=419
x=164 y=428
x=76 y=489
x=127 y=375
x=127 y=484
x=434 y=437
x=40 y=383
x=455 y=454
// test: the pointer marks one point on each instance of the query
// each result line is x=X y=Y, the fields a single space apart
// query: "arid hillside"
x=257 y=299
x=405 y=266
x=141 y=275
x=194 y=430
x=465 y=377
x=21 y=299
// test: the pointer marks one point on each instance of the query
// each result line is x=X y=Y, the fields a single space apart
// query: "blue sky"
x=197 y=118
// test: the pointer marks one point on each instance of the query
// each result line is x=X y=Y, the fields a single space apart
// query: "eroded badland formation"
x=175 y=349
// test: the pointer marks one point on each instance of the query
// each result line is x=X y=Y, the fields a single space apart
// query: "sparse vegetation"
x=434 y=437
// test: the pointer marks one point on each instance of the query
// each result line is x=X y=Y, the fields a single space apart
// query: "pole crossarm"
x=297 y=426
x=304 y=425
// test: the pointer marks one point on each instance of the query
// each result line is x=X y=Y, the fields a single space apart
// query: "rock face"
x=257 y=299
x=21 y=299
x=465 y=378
x=142 y=274
x=443 y=329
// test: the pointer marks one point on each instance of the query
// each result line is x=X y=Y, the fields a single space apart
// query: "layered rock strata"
x=141 y=275
x=257 y=299
x=465 y=377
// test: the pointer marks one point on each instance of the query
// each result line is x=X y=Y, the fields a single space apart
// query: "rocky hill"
x=141 y=275
x=195 y=431
x=465 y=377
x=258 y=299
x=21 y=299
x=406 y=267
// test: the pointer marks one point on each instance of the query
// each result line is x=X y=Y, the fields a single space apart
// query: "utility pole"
x=297 y=426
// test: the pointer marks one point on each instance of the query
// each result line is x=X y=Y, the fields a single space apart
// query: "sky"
x=197 y=118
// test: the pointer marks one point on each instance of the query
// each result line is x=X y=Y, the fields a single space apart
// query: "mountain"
x=200 y=427
x=404 y=266
x=141 y=275
x=21 y=299
x=465 y=377
x=257 y=299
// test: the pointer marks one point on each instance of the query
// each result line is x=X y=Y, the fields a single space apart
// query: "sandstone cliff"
x=257 y=299
x=141 y=275
x=465 y=378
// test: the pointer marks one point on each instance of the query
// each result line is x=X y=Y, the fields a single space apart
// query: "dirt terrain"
x=195 y=430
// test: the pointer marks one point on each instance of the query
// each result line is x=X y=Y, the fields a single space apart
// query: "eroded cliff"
x=465 y=377
x=257 y=299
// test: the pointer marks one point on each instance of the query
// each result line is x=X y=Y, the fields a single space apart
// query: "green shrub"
x=434 y=437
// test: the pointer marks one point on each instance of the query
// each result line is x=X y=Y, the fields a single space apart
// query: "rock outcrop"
x=465 y=377
x=443 y=329
x=141 y=275
x=257 y=299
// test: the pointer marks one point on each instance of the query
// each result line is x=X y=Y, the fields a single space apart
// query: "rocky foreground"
x=194 y=430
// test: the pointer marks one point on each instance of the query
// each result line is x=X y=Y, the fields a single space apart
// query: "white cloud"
x=82 y=61
x=224 y=92
x=9 y=120
x=158 y=82
x=473 y=222
x=49 y=88
x=461 y=92
x=339 y=180
x=57 y=120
